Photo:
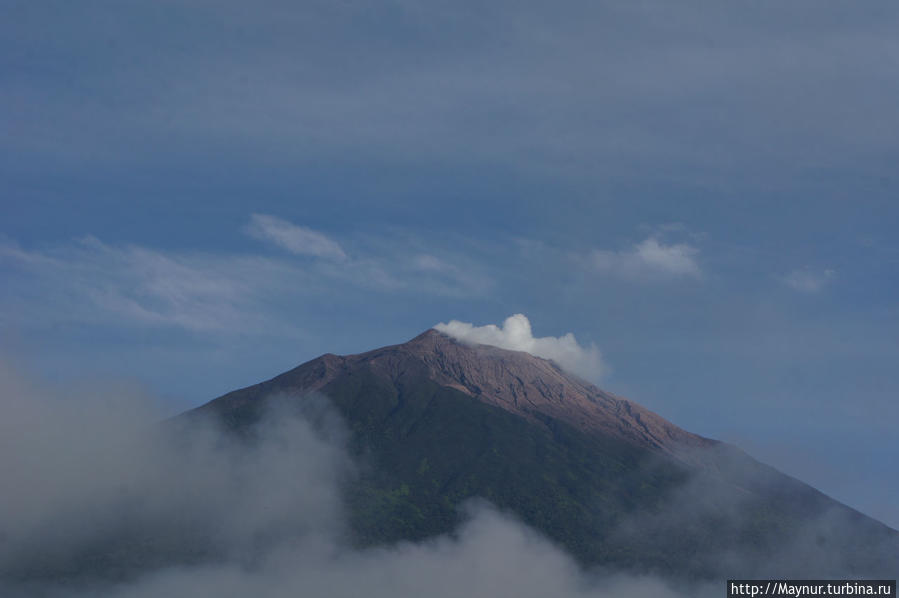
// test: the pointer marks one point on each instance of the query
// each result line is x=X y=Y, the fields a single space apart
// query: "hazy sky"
x=195 y=196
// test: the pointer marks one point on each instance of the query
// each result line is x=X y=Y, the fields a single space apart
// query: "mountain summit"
x=534 y=388
x=437 y=422
x=515 y=381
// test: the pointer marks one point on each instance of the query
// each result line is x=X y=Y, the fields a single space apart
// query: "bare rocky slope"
x=515 y=381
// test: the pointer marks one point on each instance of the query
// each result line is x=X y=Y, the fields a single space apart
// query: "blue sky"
x=199 y=195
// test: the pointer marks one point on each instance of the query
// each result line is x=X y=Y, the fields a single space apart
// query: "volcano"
x=437 y=422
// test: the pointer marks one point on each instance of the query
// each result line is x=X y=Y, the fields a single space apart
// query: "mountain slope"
x=515 y=381
x=438 y=422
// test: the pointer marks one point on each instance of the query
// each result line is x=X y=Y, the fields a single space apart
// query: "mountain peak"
x=533 y=387
x=515 y=381
x=428 y=340
x=433 y=340
x=444 y=420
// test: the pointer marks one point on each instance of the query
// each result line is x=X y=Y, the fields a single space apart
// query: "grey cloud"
x=492 y=555
x=593 y=88
x=815 y=545
x=92 y=473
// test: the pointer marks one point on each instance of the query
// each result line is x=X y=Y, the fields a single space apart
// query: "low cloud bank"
x=491 y=556
x=97 y=502
x=516 y=335
x=94 y=486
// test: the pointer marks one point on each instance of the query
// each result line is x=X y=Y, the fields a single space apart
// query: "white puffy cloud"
x=649 y=260
x=516 y=335
x=293 y=238
x=808 y=281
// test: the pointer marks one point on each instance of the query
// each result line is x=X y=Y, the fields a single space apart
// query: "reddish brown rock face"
x=512 y=380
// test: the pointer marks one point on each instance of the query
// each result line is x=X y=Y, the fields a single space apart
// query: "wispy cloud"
x=516 y=335
x=93 y=282
x=97 y=282
x=295 y=239
x=649 y=260
x=449 y=278
x=808 y=281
